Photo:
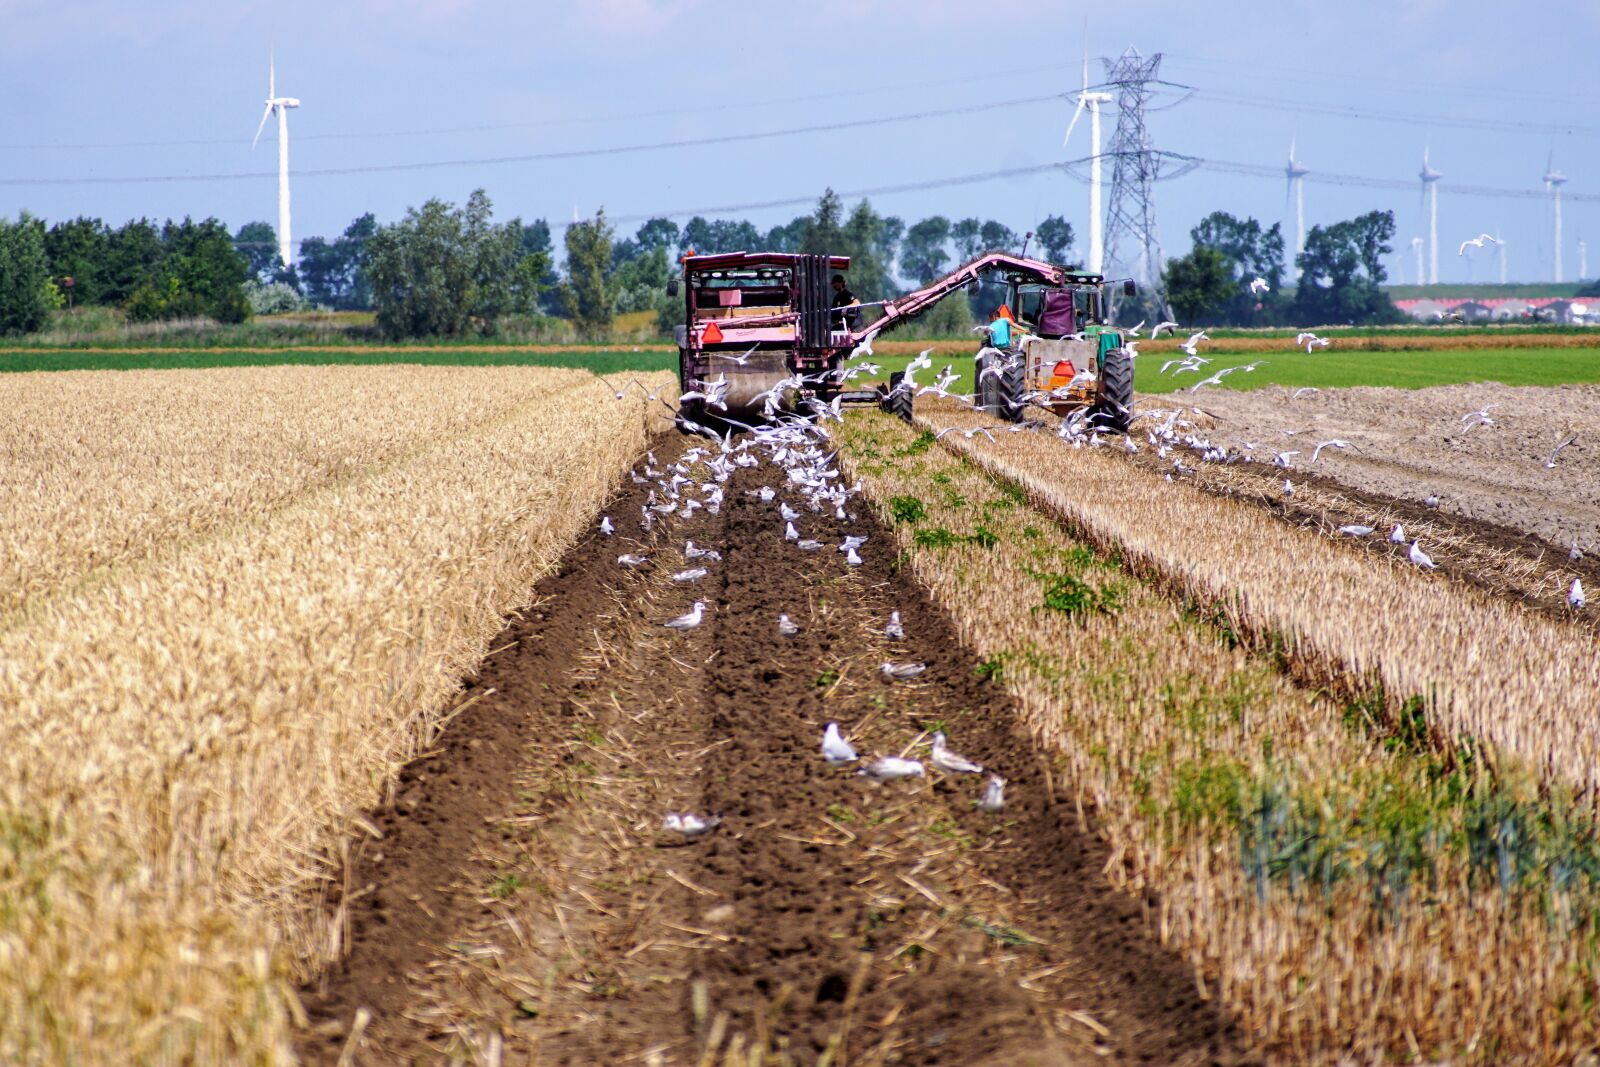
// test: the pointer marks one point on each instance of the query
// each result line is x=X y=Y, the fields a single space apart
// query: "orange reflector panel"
x=712 y=336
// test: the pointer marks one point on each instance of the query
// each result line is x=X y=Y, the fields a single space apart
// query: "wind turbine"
x=280 y=104
x=1430 y=187
x=1296 y=173
x=1500 y=247
x=1416 y=246
x=1583 y=260
x=1553 y=181
x=1097 y=250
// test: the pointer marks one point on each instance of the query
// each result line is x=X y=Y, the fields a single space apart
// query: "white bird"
x=994 y=795
x=693 y=551
x=888 y=768
x=689 y=621
x=1432 y=501
x=1476 y=242
x=1288 y=487
x=948 y=761
x=852 y=541
x=693 y=574
x=1169 y=326
x=1310 y=340
x=806 y=544
x=1398 y=534
x=1335 y=443
x=689 y=824
x=786 y=512
x=1355 y=530
x=1259 y=285
x=1133 y=331
x=632 y=559
x=894 y=631
x=1576 y=555
x=1302 y=391
x=1551 y=462
x=1281 y=459
x=853 y=558
x=1421 y=558
x=790 y=533
x=605 y=525
x=902 y=671
x=1575 y=594
x=786 y=626
x=835 y=749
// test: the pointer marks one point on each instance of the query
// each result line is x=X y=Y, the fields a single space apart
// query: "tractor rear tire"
x=1113 y=405
x=986 y=387
x=1009 y=387
x=897 y=402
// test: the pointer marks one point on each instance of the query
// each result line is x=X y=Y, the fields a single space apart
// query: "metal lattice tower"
x=1131 y=242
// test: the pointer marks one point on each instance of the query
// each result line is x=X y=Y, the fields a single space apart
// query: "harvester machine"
x=761 y=336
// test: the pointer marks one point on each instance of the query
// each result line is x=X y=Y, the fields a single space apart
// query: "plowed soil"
x=518 y=903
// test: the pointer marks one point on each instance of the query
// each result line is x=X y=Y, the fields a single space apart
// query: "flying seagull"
x=1259 y=285
x=1476 y=242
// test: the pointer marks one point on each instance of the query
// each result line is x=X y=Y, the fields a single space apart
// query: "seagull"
x=1259 y=285
x=740 y=360
x=693 y=574
x=1575 y=594
x=605 y=525
x=1421 y=558
x=1288 y=487
x=1355 y=531
x=632 y=559
x=1476 y=242
x=852 y=541
x=1576 y=555
x=786 y=626
x=1310 y=340
x=902 y=671
x=1155 y=331
x=1281 y=459
x=689 y=621
x=1432 y=501
x=1478 y=418
x=994 y=795
x=691 y=551
x=806 y=544
x=1551 y=462
x=948 y=761
x=787 y=512
x=853 y=558
x=689 y=824
x=1335 y=443
x=1133 y=331
x=888 y=768
x=790 y=533
x=894 y=631
x=1302 y=391
x=1398 y=534
x=835 y=749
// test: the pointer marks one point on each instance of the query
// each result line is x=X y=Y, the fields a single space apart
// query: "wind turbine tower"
x=1553 y=181
x=1092 y=101
x=280 y=104
x=1500 y=247
x=1583 y=260
x=1416 y=247
x=1296 y=173
x=1430 y=186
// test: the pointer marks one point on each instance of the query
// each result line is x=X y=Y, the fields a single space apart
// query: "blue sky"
x=1491 y=88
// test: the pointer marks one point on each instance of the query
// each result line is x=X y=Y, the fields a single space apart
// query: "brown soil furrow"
x=827 y=919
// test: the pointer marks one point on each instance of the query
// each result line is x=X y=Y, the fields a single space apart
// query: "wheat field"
x=234 y=603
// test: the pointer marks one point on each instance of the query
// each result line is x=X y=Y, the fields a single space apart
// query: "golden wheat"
x=184 y=740
x=1147 y=707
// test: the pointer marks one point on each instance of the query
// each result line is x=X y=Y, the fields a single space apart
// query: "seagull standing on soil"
x=894 y=631
x=948 y=761
x=693 y=551
x=852 y=557
x=1398 y=534
x=689 y=824
x=1355 y=531
x=632 y=559
x=1575 y=594
x=1421 y=558
x=902 y=671
x=786 y=626
x=790 y=533
x=835 y=749
x=994 y=795
x=693 y=574
x=889 y=768
x=689 y=621
x=605 y=525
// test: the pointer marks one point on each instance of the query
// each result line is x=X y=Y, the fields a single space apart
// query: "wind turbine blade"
x=272 y=75
x=1074 y=122
x=1086 y=53
x=265 y=115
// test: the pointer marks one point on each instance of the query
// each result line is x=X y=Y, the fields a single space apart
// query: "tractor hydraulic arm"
x=899 y=310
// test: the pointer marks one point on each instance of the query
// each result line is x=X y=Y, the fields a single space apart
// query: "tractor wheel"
x=986 y=388
x=1010 y=384
x=1113 y=405
x=894 y=402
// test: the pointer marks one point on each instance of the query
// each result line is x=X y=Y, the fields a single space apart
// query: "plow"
x=761 y=336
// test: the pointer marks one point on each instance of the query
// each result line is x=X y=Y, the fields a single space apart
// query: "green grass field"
x=1290 y=367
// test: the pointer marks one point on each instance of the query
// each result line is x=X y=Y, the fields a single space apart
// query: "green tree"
x=968 y=237
x=924 y=253
x=27 y=295
x=825 y=234
x=1342 y=273
x=790 y=236
x=1200 y=285
x=133 y=252
x=444 y=271
x=587 y=293
x=200 y=275
x=996 y=237
x=1251 y=252
x=79 y=249
x=258 y=243
x=1055 y=239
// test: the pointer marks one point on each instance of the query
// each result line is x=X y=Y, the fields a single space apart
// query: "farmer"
x=843 y=298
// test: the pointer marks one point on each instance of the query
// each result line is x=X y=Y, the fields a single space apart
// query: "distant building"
x=1500 y=309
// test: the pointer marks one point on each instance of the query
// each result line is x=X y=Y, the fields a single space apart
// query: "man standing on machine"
x=844 y=299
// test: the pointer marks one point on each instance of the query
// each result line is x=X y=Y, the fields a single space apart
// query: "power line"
x=536 y=157
x=566 y=120
x=1367 y=114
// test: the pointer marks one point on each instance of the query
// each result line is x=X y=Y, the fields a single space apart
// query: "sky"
x=453 y=95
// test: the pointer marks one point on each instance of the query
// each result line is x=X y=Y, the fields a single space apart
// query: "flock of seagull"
x=806 y=482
